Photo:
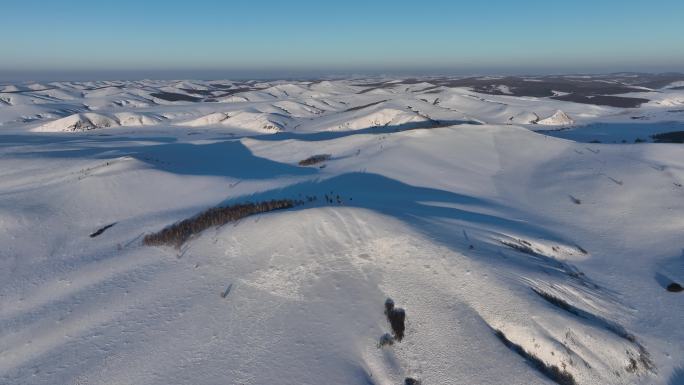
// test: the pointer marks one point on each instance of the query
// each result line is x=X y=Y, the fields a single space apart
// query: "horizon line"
x=19 y=76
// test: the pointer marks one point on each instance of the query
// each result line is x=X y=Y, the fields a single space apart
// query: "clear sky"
x=503 y=36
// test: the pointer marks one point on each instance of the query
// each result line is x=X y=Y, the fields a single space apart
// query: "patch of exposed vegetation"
x=549 y=261
x=557 y=301
x=562 y=304
x=636 y=359
x=553 y=372
x=521 y=245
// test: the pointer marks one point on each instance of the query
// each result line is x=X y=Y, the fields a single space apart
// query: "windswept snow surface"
x=518 y=257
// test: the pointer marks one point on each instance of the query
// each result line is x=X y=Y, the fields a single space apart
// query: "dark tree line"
x=178 y=233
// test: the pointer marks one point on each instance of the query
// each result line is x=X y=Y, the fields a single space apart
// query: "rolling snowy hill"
x=523 y=240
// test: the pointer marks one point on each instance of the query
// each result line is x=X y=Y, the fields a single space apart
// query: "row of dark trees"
x=178 y=233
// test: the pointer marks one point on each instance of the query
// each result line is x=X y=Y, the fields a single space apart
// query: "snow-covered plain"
x=519 y=257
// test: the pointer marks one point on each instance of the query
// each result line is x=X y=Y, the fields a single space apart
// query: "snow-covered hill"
x=517 y=257
x=559 y=118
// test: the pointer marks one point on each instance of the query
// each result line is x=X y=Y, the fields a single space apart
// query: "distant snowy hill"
x=559 y=118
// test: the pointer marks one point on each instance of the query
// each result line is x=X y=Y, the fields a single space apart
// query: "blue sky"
x=342 y=36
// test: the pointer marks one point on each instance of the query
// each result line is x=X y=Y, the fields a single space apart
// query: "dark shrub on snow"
x=396 y=317
x=310 y=161
x=674 y=287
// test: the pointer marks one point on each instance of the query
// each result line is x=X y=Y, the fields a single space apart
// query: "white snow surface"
x=519 y=257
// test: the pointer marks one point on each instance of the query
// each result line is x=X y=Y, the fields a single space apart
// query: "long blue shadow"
x=418 y=206
x=229 y=158
x=376 y=130
x=75 y=139
x=677 y=377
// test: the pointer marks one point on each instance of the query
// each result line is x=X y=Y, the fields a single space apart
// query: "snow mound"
x=245 y=120
x=91 y=121
x=189 y=85
x=103 y=92
x=36 y=86
x=285 y=90
x=296 y=109
x=676 y=84
x=207 y=120
x=6 y=100
x=671 y=101
x=559 y=118
x=504 y=89
x=382 y=117
x=59 y=94
x=232 y=99
x=524 y=117
x=258 y=121
x=133 y=119
x=132 y=103
x=250 y=96
x=14 y=88
x=79 y=122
